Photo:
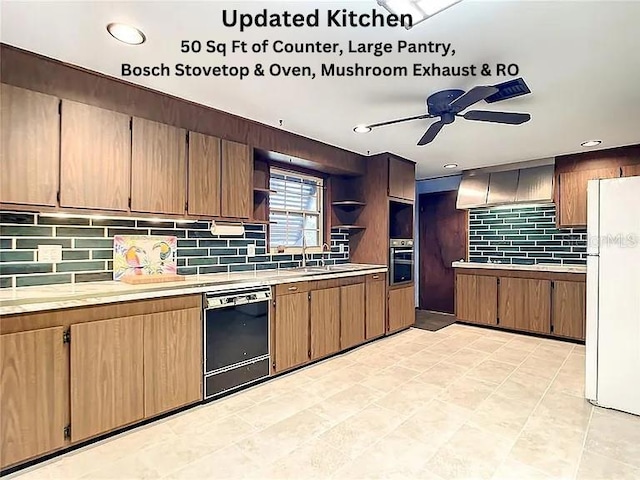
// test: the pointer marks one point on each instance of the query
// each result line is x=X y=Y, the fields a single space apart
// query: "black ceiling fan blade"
x=474 y=95
x=509 y=118
x=400 y=120
x=431 y=133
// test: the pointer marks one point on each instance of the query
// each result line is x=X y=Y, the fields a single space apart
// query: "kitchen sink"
x=325 y=269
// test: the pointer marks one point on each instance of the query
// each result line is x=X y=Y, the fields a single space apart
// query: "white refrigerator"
x=613 y=294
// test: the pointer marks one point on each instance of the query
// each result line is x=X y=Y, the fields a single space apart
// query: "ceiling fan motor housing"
x=439 y=103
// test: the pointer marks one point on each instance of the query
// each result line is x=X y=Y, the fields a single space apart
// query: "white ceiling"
x=580 y=60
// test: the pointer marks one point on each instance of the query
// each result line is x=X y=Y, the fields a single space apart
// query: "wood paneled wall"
x=35 y=72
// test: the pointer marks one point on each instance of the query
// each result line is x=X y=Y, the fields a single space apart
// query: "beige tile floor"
x=460 y=403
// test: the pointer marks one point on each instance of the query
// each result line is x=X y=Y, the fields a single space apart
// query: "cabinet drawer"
x=235 y=378
x=289 y=288
x=376 y=277
x=352 y=280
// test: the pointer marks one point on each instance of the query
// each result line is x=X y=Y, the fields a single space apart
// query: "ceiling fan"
x=449 y=104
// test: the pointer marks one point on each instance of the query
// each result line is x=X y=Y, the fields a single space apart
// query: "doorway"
x=443 y=240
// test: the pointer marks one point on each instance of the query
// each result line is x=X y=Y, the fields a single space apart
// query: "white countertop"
x=540 y=267
x=51 y=297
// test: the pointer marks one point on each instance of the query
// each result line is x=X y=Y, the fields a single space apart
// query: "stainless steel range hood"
x=525 y=185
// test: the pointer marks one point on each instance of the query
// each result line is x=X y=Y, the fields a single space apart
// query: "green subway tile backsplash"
x=87 y=245
x=523 y=235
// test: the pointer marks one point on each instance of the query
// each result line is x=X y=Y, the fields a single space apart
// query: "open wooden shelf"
x=262 y=191
x=350 y=227
x=348 y=204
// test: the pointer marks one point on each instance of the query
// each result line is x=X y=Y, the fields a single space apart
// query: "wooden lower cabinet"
x=107 y=382
x=402 y=310
x=33 y=388
x=477 y=299
x=352 y=315
x=375 y=307
x=291 y=331
x=172 y=360
x=569 y=309
x=325 y=322
x=525 y=304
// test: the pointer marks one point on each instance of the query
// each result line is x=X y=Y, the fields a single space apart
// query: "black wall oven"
x=236 y=339
x=401 y=260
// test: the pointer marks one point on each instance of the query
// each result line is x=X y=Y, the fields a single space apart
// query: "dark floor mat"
x=433 y=321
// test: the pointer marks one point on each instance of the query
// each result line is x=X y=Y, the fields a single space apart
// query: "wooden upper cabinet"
x=402 y=310
x=95 y=158
x=172 y=360
x=352 y=315
x=631 y=170
x=325 y=322
x=204 y=175
x=291 y=330
x=573 y=194
x=34 y=394
x=569 y=309
x=376 y=305
x=402 y=178
x=29 y=147
x=237 y=180
x=158 y=168
x=477 y=298
x=525 y=304
x=107 y=382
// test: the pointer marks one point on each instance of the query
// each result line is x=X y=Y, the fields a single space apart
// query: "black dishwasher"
x=236 y=336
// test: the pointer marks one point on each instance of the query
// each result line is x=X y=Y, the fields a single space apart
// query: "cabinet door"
x=325 y=322
x=95 y=158
x=158 y=168
x=631 y=170
x=573 y=194
x=352 y=315
x=172 y=360
x=237 y=180
x=401 y=179
x=466 y=297
x=107 y=384
x=569 y=309
x=376 y=307
x=477 y=299
x=204 y=175
x=525 y=304
x=29 y=147
x=402 y=310
x=291 y=331
x=34 y=394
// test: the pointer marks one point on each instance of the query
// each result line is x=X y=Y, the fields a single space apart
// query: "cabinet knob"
x=292 y=289
x=375 y=277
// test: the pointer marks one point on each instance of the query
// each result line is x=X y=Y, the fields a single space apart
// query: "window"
x=295 y=209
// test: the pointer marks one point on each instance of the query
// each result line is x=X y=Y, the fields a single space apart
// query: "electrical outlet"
x=49 y=253
x=251 y=250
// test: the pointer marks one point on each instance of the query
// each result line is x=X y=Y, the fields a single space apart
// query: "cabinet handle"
x=375 y=277
x=292 y=289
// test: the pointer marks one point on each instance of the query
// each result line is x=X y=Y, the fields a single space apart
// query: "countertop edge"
x=577 y=269
x=87 y=300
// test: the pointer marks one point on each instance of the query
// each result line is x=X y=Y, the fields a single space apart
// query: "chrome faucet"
x=304 y=252
x=324 y=245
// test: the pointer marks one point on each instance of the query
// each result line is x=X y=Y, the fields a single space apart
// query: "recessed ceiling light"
x=362 y=129
x=591 y=143
x=126 y=33
x=451 y=165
